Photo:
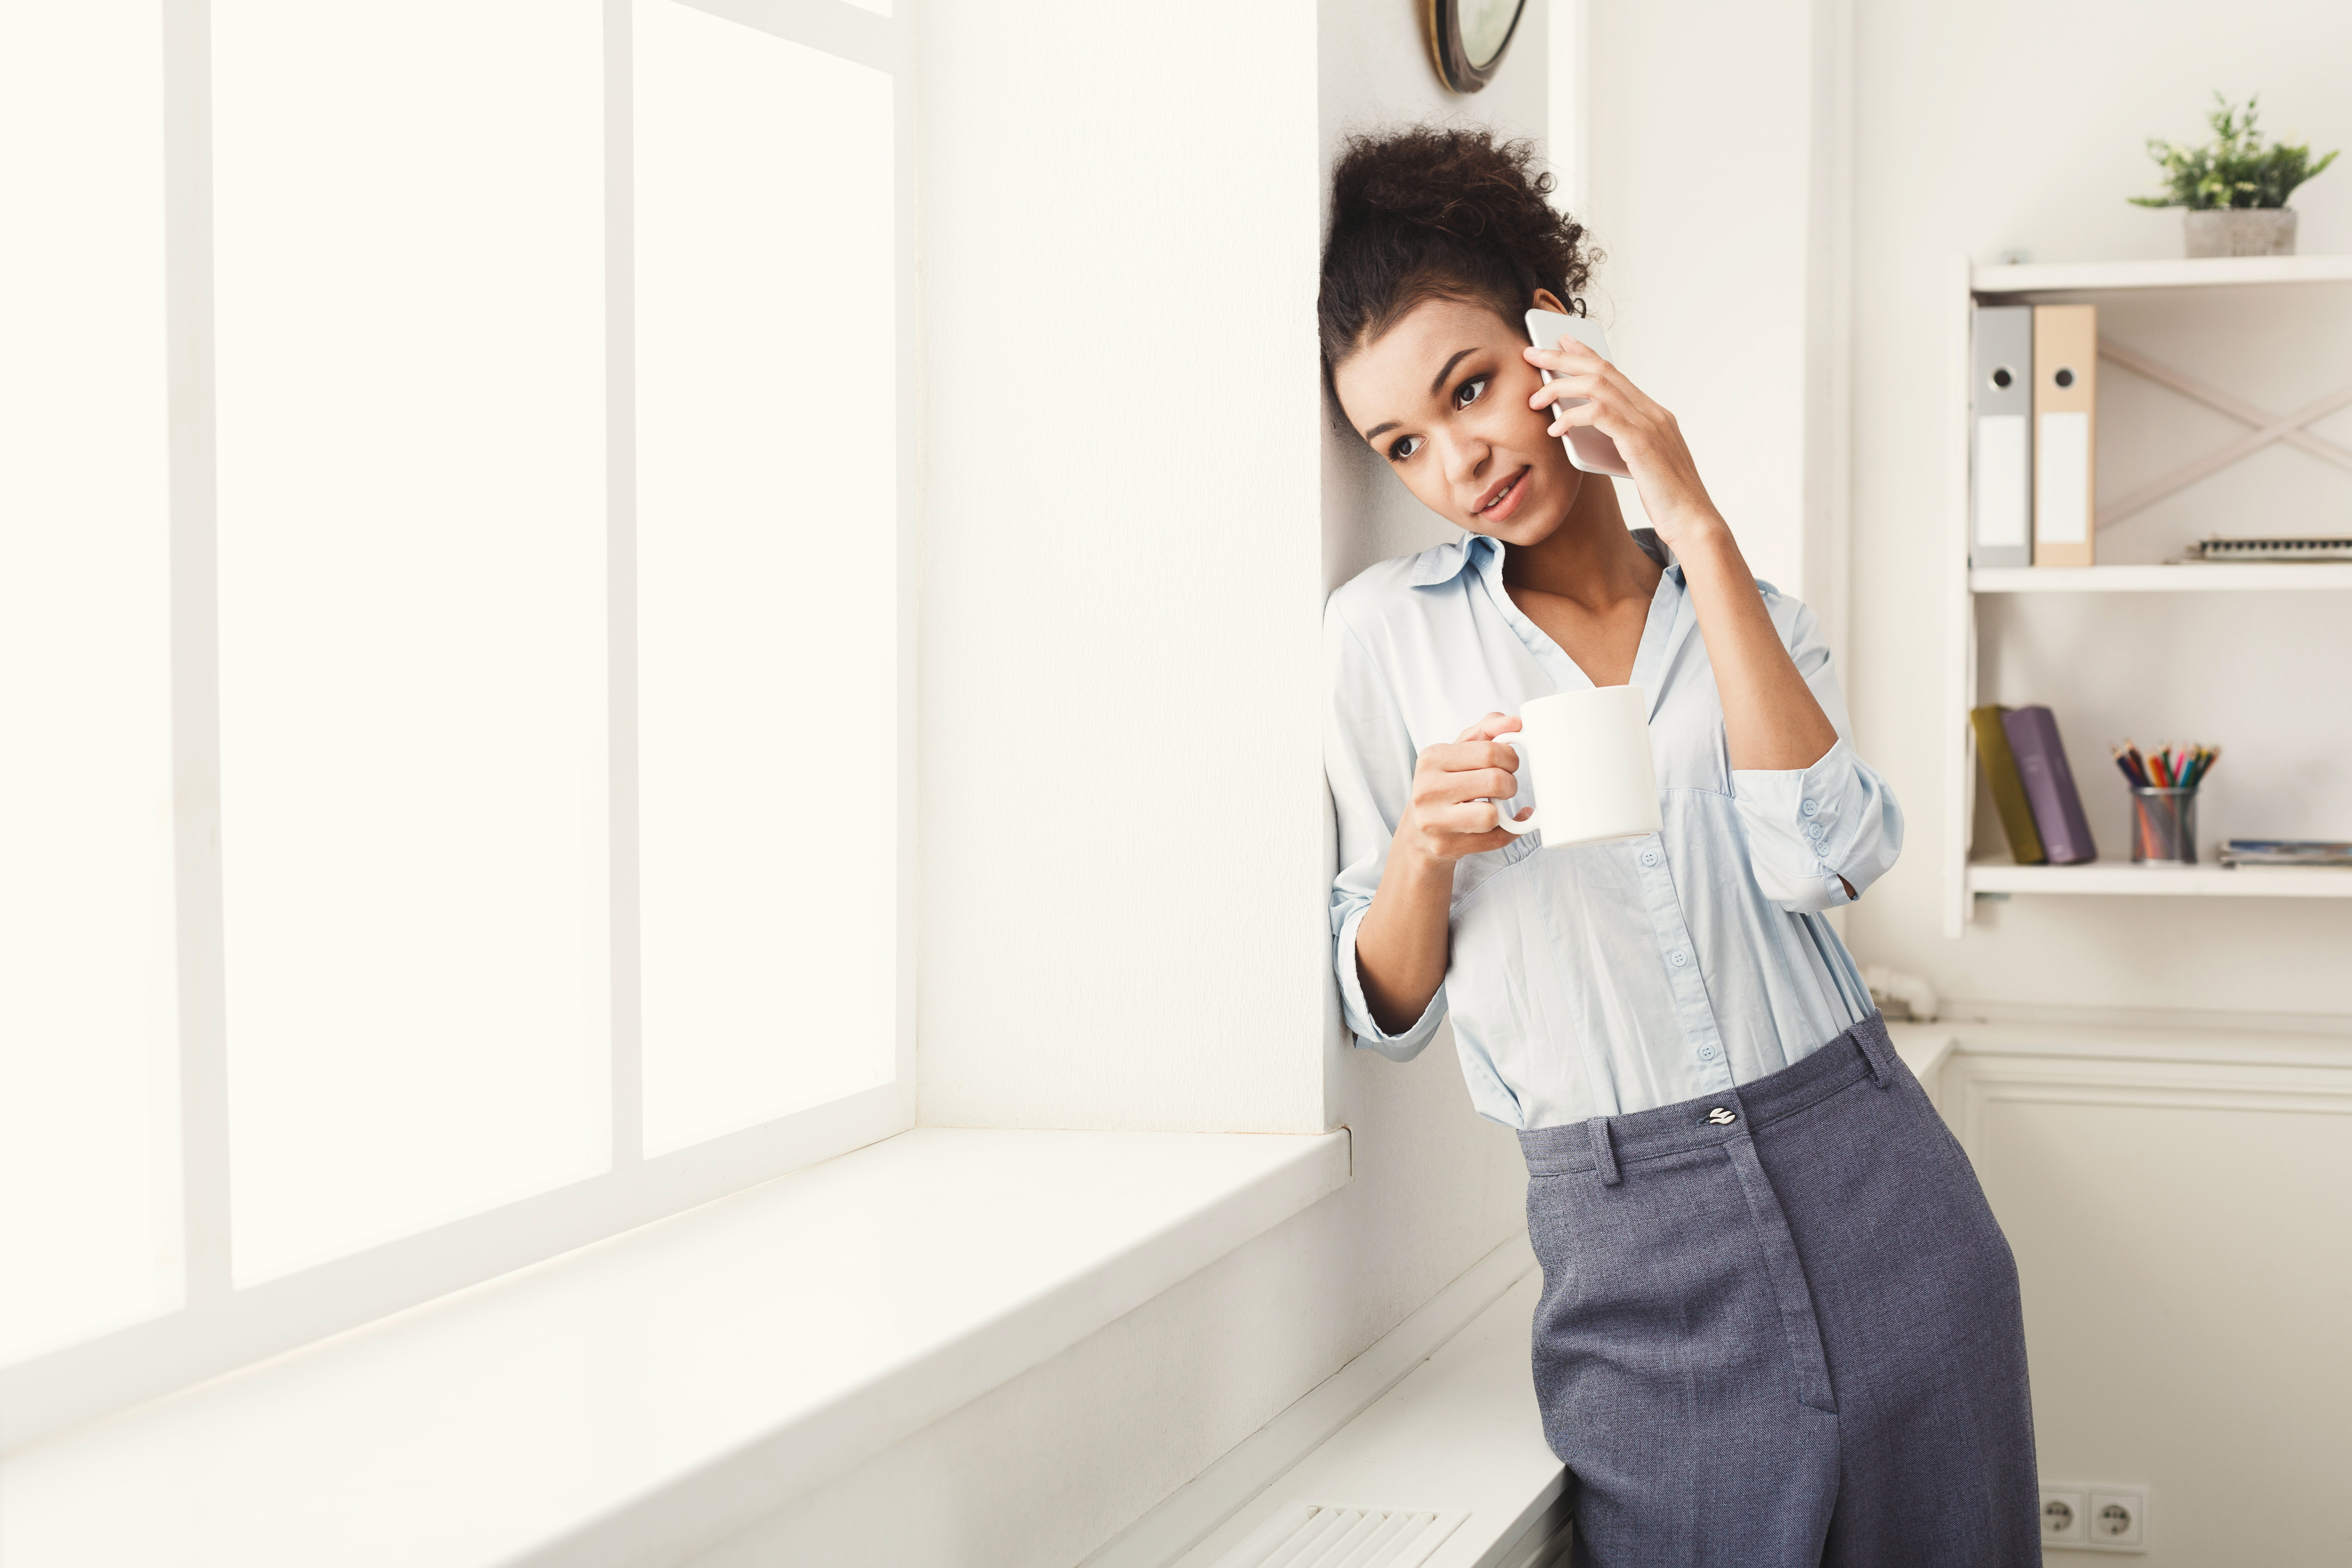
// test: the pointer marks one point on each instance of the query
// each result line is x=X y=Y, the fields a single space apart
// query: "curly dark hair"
x=1430 y=212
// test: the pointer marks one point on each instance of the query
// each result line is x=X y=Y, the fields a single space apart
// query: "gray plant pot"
x=2239 y=231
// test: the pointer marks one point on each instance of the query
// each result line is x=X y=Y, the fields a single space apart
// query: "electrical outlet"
x=2099 y=1516
x=2118 y=1518
x=2064 y=1508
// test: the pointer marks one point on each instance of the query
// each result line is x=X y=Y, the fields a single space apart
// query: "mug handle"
x=1502 y=817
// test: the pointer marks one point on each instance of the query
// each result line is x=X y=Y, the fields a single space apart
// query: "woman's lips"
x=1503 y=499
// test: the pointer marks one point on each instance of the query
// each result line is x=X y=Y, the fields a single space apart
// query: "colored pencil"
x=2168 y=767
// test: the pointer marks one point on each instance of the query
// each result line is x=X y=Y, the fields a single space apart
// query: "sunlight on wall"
x=85 y=809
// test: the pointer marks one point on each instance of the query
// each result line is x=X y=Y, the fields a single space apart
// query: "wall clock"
x=1468 y=39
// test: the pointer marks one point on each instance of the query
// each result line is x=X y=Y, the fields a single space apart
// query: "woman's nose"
x=1464 y=456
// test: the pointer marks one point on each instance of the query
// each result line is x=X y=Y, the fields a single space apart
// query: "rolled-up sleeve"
x=1813 y=830
x=1367 y=756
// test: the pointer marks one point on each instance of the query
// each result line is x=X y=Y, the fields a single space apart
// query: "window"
x=454 y=647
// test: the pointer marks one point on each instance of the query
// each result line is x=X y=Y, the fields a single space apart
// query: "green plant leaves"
x=2234 y=169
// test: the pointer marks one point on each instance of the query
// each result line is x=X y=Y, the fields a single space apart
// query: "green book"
x=2008 y=785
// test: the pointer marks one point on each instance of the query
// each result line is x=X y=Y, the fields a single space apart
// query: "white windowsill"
x=641 y=1398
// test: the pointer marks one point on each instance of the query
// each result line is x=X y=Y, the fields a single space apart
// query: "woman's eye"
x=1404 y=447
x=1469 y=392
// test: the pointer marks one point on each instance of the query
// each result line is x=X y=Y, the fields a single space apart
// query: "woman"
x=1779 y=1325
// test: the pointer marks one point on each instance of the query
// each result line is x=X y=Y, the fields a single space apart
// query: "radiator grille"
x=1334 y=1535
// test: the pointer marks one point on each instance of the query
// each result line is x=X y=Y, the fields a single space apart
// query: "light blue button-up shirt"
x=1601 y=979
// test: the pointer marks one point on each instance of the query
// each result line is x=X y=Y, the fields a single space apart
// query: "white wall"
x=1149 y=519
x=2186 y=1333
x=1702 y=162
x=1121 y=781
x=1968 y=146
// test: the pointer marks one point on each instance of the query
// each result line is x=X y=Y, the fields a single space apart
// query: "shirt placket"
x=1692 y=1010
x=1675 y=950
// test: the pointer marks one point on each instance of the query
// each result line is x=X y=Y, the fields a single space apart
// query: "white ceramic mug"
x=1589 y=755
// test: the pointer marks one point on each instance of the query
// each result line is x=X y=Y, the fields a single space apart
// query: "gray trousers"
x=1780 y=1328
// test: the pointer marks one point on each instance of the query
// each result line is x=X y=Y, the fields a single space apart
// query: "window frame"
x=217 y=1327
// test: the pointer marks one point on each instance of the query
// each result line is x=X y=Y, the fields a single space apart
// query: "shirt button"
x=1649 y=857
x=1707 y=1053
x=1679 y=958
x=1816 y=831
x=1811 y=808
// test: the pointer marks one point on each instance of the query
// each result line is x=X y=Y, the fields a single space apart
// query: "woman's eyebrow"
x=1459 y=355
x=1443 y=371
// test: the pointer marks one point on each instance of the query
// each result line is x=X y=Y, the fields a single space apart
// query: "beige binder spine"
x=2065 y=399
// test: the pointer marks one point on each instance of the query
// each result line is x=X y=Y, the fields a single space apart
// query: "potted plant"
x=2235 y=187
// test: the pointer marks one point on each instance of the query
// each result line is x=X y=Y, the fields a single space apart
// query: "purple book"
x=2049 y=785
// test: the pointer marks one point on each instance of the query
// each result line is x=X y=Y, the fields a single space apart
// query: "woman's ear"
x=1546 y=300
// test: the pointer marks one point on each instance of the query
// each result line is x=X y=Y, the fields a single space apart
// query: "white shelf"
x=2110 y=284
x=2121 y=877
x=2075 y=277
x=2188 y=576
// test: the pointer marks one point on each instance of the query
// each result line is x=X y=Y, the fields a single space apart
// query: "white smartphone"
x=1588 y=449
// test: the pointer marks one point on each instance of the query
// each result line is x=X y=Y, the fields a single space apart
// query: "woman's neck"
x=1590 y=559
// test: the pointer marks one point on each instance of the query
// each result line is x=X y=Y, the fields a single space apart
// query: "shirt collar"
x=1436 y=567
x=1433 y=568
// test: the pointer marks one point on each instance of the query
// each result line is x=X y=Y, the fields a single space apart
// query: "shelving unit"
x=2188 y=578
x=2043 y=279
x=1967 y=878
x=2121 y=877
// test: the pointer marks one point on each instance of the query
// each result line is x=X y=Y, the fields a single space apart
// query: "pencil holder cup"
x=2164 y=826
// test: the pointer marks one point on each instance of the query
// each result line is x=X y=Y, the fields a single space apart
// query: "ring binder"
x=2002 y=396
x=2065 y=395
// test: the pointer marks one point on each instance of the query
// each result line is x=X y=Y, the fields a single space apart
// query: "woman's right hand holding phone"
x=1456 y=788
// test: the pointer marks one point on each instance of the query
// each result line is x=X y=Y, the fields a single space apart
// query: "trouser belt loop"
x=1604 y=1157
x=1871 y=1035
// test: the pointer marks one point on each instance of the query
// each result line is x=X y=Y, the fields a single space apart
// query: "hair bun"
x=1429 y=212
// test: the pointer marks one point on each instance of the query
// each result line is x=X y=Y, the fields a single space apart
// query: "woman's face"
x=1443 y=396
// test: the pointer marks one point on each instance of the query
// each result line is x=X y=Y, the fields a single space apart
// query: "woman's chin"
x=1538 y=520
